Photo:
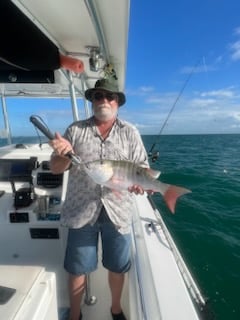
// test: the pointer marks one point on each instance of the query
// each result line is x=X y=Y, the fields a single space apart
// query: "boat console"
x=30 y=202
x=34 y=189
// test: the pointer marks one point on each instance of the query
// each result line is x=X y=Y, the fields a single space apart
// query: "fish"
x=119 y=175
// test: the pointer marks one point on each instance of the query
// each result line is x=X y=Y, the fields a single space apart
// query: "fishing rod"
x=39 y=123
x=154 y=155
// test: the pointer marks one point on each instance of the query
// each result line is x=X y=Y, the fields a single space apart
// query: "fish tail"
x=172 y=194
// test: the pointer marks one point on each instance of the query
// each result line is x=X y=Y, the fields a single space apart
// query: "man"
x=90 y=208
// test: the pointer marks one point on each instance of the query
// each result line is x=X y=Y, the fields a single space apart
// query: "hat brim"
x=121 y=96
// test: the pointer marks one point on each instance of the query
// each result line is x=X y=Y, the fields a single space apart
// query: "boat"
x=33 y=283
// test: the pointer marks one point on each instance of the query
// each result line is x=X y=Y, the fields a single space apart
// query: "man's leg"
x=116 y=259
x=116 y=281
x=80 y=259
x=76 y=285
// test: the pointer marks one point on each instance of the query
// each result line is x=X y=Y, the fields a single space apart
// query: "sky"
x=182 y=73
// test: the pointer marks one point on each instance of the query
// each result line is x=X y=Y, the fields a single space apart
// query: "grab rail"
x=147 y=293
x=187 y=277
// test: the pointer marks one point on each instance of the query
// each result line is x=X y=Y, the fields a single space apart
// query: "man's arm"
x=59 y=164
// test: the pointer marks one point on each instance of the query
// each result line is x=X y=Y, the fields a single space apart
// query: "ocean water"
x=206 y=225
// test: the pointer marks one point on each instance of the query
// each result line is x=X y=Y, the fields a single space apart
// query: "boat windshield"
x=56 y=113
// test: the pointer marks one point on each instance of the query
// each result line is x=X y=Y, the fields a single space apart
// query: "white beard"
x=104 y=112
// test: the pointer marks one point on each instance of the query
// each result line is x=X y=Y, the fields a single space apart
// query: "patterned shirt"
x=84 y=198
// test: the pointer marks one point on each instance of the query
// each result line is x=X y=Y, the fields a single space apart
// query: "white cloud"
x=213 y=111
x=221 y=93
x=164 y=99
x=236 y=115
x=236 y=31
x=235 y=126
x=235 y=48
x=141 y=91
x=219 y=59
x=203 y=102
x=201 y=68
x=146 y=89
x=142 y=126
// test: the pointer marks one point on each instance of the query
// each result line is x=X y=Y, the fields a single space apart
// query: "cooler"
x=35 y=295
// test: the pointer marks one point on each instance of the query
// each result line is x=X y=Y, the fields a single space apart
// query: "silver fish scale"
x=126 y=174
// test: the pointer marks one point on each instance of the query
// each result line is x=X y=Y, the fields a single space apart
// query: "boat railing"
x=191 y=285
x=146 y=292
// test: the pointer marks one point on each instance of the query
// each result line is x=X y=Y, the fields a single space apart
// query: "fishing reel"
x=153 y=156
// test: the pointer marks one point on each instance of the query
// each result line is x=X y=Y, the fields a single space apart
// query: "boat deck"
x=156 y=284
x=99 y=290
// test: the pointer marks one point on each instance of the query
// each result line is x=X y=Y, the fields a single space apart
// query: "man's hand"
x=136 y=189
x=139 y=190
x=60 y=145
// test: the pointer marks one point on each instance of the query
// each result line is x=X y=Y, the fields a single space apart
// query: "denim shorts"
x=82 y=248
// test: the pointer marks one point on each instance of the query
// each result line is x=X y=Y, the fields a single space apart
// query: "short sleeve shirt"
x=84 y=198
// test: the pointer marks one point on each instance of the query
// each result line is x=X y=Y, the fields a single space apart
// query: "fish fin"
x=153 y=173
x=172 y=194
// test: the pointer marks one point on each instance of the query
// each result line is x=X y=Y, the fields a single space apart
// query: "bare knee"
x=76 y=283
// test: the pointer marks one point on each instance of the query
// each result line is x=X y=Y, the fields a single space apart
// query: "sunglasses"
x=98 y=96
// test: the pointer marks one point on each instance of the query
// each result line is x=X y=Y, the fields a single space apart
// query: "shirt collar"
x=119 y=122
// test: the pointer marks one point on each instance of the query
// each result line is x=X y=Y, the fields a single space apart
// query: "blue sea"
x=206 y=225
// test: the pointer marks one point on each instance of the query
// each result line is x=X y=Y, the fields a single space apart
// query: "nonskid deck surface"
x=99 y=289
